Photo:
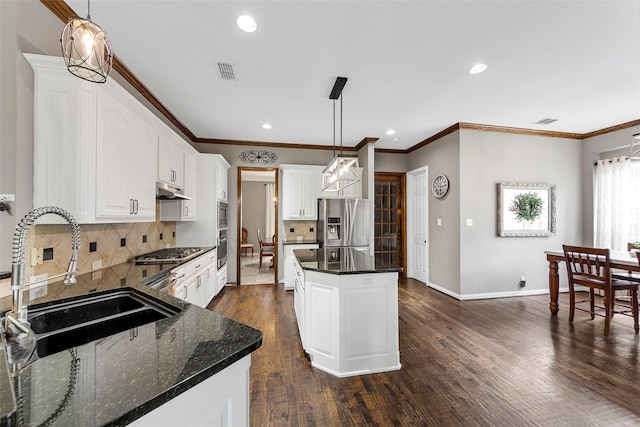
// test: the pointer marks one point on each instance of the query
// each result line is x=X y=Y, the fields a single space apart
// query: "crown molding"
x=64 y=13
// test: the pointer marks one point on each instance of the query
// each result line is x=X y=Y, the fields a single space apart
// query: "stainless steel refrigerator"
x=344 y=222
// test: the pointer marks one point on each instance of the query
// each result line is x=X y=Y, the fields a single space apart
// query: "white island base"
x=350 y=322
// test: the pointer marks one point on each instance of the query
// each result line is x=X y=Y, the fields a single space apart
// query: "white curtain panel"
x=615 y=203
x=270 y=212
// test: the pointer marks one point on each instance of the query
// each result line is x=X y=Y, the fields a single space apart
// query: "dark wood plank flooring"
x=500 y=362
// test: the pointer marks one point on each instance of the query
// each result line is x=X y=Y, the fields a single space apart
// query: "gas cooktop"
x=168 y=255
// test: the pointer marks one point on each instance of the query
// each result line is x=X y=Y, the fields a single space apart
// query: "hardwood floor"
x=499 y=362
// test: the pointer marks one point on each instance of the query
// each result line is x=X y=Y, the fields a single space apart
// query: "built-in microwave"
x=222 y=215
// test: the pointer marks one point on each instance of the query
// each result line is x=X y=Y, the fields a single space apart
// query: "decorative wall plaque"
x=262 y=157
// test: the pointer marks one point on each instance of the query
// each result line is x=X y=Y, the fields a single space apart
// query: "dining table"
x=622 y=260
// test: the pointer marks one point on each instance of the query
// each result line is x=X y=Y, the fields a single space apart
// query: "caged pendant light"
x=86 y=49
x=342 y=171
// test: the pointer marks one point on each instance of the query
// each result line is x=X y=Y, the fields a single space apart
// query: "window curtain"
x=615 y=203
x=270 y=212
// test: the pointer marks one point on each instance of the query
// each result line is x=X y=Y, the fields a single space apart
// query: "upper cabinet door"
x=300 y=188
x=221 y=185
x=143 y=169
x=170 y=161
x=125 y=185
x=114 y=136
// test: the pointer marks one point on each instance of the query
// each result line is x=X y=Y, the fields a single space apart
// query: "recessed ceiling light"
x=478 y=68
x=266 y=126
x=246 y=23
x=391 y=132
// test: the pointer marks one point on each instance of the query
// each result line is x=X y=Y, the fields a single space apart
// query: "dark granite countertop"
x=122 y=377
x=296 y=242
x=341 y=261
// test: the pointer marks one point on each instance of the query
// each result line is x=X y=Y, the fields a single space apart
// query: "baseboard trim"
x=492 y=295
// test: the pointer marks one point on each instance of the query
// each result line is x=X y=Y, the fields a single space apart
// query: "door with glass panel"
x=389 y=219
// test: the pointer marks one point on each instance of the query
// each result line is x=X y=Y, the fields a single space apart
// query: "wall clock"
x=440 y=186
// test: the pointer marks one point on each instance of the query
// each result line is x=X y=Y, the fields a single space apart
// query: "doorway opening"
x=257 y=234
x=390 y=219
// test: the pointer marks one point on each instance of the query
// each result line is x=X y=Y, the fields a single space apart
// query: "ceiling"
x=406 y=64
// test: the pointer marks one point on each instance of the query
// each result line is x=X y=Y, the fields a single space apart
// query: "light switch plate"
x=439 y=222
x=469 y=222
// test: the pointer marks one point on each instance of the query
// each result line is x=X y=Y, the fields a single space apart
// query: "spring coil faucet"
x=16 y=324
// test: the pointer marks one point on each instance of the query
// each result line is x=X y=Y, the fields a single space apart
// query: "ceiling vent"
x=544 y=121
x=226 y=71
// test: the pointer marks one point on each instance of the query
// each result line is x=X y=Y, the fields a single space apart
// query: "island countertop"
x=120 y=378
x=342 y=260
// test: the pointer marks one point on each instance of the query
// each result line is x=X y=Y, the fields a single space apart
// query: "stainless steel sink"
x=77 y=321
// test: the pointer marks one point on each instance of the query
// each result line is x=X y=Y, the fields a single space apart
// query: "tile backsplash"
x=110 y=244
x=300 y=228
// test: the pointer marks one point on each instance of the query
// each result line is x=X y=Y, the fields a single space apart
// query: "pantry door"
x=389 y=223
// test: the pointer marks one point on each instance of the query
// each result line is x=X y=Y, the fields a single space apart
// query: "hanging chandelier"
x=86 y=49
x=342 y=170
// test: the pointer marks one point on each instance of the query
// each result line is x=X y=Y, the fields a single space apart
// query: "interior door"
x=389 y=222
x=418 y=218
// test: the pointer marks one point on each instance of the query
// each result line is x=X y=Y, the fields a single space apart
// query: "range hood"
x=166 y=191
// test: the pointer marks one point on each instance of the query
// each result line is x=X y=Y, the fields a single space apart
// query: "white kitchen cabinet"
x=300 y=302
x=197 y=281
x=86 y=140
x=182 y=209
x=221 y=181
x=196 y=289
x=203 y=231
x=211 y=281
x=300 y=189
x=125 y=187
x=349 y=322
x=170 y=159
x=290 y=262
x=222 y=278
x=221 y=400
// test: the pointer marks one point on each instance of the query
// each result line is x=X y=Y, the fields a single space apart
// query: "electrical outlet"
x=39 y=290
x=96 y=265
x=523 y=282
x=36 y=256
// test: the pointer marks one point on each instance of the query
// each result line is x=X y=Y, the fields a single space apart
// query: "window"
x=617 y=203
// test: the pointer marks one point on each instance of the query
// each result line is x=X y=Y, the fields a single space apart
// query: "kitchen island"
x=188 y=369
x=346 y=305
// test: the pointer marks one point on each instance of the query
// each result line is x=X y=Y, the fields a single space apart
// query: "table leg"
x=554 y=285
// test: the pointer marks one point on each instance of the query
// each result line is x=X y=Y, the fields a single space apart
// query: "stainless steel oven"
x=222 y=247
x=222 y=215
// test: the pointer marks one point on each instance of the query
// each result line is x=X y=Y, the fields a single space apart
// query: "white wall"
x=442 y=157
x=391 y=162
x=491 y=264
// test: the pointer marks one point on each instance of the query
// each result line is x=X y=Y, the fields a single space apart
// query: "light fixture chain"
x=89 y=10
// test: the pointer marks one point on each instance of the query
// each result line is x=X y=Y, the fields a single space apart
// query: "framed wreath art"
x=526 y=209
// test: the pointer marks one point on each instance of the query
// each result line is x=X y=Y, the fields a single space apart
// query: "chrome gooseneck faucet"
x=16 y=324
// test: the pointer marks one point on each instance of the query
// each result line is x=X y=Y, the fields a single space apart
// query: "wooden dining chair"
x=266 y=249
x=591 y=267
x=244 y=245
